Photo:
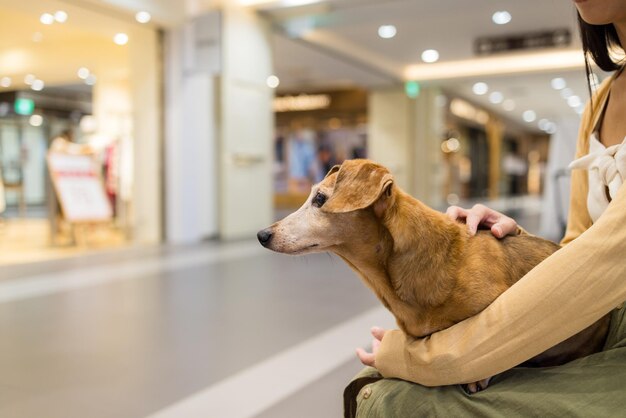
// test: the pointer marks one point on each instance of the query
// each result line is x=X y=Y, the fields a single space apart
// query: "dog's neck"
x=406 y=261
x=426 y=244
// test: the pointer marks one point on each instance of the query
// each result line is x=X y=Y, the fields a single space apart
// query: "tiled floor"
x=215 y=330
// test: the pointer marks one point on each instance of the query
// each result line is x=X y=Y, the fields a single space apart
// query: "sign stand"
x=79 y=189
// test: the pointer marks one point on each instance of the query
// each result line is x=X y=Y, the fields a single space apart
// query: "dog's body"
x=425 y=268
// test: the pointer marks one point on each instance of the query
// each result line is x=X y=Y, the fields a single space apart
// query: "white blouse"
x=607 y=171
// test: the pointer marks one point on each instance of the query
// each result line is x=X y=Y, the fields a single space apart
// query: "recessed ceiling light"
x=60 y=16
x=38 y=85
x=480 y=88
x=501 y=17
x=566 y=93
x=5 y=82
x=508 y=105
x=574 y=101
x=91 y=80
x=29 y=79
x=35 y=120
x=558 y=83
x=83 y=73
x=143 y=17
x=46 y=19
x=496 y=97
x=543 y=124
x=430 y=55
x=387 y=31
x=120 y=39
x=529 y=116
x=272 y=81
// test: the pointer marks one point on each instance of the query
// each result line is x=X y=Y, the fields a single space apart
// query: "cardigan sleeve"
x=564 y=294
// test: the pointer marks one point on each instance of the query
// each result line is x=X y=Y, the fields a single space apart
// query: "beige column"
x=495 y=130
x=405 y=135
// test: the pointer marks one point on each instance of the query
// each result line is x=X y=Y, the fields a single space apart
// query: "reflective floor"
x=216 y=330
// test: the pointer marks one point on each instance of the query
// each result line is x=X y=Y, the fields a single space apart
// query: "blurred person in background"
x=569 y=291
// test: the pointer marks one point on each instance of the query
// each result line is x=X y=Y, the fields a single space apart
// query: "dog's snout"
x=264 y=236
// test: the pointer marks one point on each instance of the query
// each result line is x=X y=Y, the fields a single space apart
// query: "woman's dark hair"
x=598 y=41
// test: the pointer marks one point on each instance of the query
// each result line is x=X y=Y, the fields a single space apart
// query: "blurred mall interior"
x=144 y=143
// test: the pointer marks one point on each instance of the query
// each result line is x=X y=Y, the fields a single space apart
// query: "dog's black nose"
x=264 y=236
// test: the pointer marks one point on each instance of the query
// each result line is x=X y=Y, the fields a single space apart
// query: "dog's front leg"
x=477 y=386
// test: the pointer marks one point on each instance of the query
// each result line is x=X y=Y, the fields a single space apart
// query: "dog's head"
x=339 y=209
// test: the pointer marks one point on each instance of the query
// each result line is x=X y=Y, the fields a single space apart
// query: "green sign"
x=412 y=89
x=24 y=107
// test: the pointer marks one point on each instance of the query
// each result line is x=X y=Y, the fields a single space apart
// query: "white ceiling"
x=334 y=44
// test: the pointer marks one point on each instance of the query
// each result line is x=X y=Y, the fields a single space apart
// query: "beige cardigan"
x=561 y=296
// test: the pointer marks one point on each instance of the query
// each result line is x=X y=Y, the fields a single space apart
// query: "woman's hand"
x=369 y=359
x=500 y=225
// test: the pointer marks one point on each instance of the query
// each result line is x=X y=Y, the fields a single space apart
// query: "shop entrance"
x=69 y=88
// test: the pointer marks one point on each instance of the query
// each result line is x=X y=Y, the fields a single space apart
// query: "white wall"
x=247 y=126
x=190 y=148
x=555 y=202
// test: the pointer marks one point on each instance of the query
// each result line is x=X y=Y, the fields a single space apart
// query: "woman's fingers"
x=504 y=226
x=455 y=213
x=366 y=358
x=500 y=225
x=378 y=333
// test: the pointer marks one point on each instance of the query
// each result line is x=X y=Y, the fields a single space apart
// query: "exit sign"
x=24 y=106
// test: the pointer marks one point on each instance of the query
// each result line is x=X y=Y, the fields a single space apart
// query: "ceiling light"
x=387 y=31
x=29 y=79
x=480 y=88
x=558 y=83
x=35 y=120
x=574 y=101
x=60 y=16
x=430 y=55
x=543 y=124
x=91 y=80
x=5 y=82
x=508 y=105
x=46 y=19
x=38 y=85
x=143 y=17
x=566 y=93
x=496 y=97
x=529 y=116
x=501 y=18
x=272 y=81
x=83 y=73
x=120 y=39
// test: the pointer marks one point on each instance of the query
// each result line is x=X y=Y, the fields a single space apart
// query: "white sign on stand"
x=79 y=187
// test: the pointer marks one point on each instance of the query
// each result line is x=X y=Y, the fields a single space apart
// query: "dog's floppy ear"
x=332 y=170
x=359 y=184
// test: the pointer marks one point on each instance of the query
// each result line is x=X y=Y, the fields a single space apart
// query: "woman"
x=563 y=295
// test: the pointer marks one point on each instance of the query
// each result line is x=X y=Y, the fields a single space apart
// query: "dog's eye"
x=319 y=199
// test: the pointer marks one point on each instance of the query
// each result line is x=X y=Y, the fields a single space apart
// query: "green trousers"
x=594 y=386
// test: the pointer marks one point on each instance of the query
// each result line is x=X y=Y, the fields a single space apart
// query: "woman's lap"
x=591 y=386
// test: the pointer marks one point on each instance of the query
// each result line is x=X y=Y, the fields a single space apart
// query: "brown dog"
x=425 y=268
